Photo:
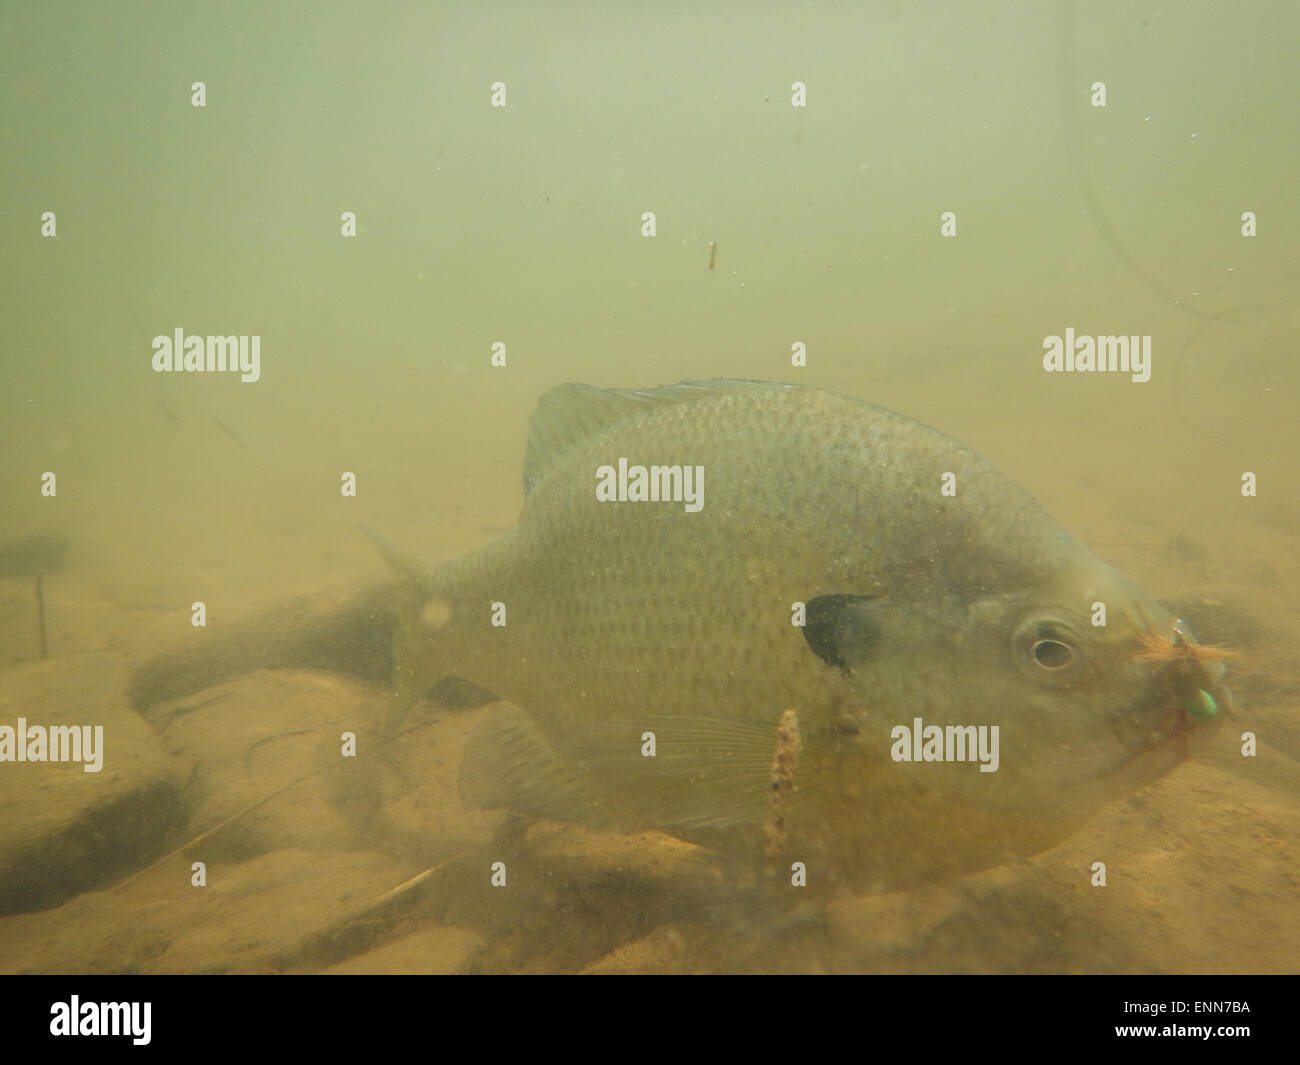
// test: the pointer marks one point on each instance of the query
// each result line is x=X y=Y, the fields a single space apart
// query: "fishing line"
x=1077 y=162
x=1076 y=159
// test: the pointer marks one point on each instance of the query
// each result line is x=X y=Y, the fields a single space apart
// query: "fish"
x=848 y=573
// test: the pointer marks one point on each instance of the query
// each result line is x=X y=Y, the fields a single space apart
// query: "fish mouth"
x=1181 y=726
x=1191 y=700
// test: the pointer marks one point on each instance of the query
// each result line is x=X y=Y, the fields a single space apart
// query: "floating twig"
x=228 y=431
x=784 y=763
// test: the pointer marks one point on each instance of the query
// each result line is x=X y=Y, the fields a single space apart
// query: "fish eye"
x=1052 y=654
x=1046 y=647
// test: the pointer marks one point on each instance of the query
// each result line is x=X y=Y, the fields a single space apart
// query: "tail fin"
x=415 y=644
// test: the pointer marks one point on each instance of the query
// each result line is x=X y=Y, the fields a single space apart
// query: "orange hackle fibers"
x=1159 y=647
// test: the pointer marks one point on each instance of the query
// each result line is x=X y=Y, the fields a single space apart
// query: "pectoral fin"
x=706 y=773
x=693 y=776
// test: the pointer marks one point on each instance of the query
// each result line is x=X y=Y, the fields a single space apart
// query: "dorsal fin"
x=409 y=573
x=569 y=414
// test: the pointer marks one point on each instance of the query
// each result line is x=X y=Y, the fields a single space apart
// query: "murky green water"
x=798 y=164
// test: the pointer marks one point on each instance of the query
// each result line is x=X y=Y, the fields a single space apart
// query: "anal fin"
x=509 y=763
